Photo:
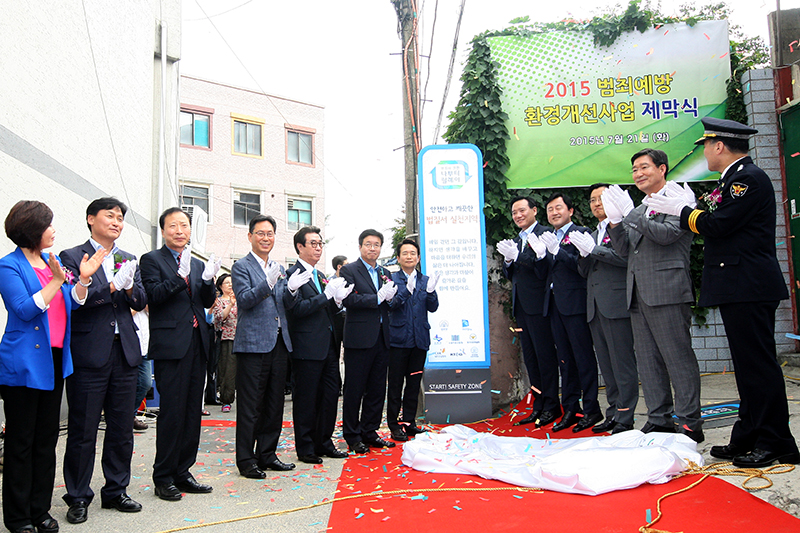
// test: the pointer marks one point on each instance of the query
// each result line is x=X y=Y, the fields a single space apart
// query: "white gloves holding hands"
x=433 y=281
x=674 y=199
x=123 y=279
x=185 y=265
x=298 y=279
x=212 y=267
x=582 y=241
x=537 y=245
x=333 y=286
x=551 y=242
x=509 y=250
x=387 y=291
x=617 y=203
x=273 y=273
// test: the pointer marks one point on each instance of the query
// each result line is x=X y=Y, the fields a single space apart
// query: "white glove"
x=212 y=267
x=537 y=245
x=551 y=242
x=411 y=283
x=509 y=250
x=433 y=281
x=332 y=286
x=185 y=266
x=342 y=293
x=621 y=199
x=582 y=241
x=689 y=196
x=613 y=212
x=273 y=273
x=387 y=292
x=123 y=279
x=298 y=279
x=669 y=206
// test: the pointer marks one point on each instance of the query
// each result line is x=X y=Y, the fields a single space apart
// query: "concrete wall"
x=271 y=176
x=80 y=111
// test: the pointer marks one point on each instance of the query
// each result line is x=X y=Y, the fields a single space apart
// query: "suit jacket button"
x=115 y=306
x=722 y=264
x=36 y=346
x=636 y=251
x=36 y=328
x=113 y=323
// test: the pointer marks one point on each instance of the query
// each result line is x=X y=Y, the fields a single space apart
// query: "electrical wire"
x=449 y=72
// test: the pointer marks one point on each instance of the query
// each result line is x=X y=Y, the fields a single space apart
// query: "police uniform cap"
x=716 y=128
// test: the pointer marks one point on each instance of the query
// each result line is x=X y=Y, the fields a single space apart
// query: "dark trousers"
x=576 y=360
x=260 y=379
x=212 y=363
x=110 y=389
x=226 y=372
x=405 y=365
x=364 y=391
x=541 y=361
x=29 y=462
x=180 y=383
x=316 y=387
x=763 y=410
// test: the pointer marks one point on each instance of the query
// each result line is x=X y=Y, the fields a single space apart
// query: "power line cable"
x=449 y=72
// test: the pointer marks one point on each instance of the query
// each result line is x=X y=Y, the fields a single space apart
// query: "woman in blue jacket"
x=410 y=338
x=34 y=360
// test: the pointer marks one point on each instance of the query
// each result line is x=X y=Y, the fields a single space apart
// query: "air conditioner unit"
x=199 y=220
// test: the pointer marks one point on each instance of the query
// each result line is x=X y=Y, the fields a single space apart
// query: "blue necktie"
x=316 y=280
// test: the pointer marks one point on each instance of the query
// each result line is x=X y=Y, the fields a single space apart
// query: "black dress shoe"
x=546 y=417
x=311 y=459
x=650 y=428
x=728 y=452
x=605 y=426
x=586 y=422
x=570 y=418
x=533 y=417
x=334 y=454
x=48 y=525
x=415 y=430
x=78 y=512
x=399 y=435
x=276 y=464
x=696 y=435
x=760 y=458
x=169 y=493
x=380 y=443
x=253 y=472
x=359 y=448
x=123 y=503
x=620 y=427
x=191 y=486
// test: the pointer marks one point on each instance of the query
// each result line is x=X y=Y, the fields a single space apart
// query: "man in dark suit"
x=609 y=318
x=106 y=356
x=315 y=353
x=410 y=338
x=565 y=304
x=262 y=345
x=741 y=275
x=659 y=295
x=338 y=320
x=528 y=291
x=178 y=289
x=366 y=345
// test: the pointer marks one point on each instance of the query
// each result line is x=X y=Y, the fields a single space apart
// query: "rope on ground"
x=719 y=469
x=344 y=498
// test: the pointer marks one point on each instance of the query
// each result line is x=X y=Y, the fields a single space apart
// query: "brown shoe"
x=138 y=425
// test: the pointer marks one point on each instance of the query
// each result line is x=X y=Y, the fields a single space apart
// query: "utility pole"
x=408 y=18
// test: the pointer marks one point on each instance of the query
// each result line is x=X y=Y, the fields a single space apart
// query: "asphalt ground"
x=239 y=502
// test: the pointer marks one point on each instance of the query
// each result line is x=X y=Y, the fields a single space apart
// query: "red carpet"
x=714 y=505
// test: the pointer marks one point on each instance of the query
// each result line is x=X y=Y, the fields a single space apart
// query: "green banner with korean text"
x=578 y=112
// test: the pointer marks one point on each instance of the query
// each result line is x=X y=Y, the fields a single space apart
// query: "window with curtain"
x=246 y=205
x=300 y=148
x=195 y=129
x=299 y=213
x=246 y=138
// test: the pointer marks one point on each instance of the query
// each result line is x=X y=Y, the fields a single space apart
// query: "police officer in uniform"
x=741 y=275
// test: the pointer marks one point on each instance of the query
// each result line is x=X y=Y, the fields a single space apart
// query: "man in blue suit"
x=366 y=345
x=410 y=338
x=262 y=347
x=106 y=356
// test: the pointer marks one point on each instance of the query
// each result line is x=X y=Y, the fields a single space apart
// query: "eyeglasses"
x=315 y=244
x=371 y=246
x=262 y=234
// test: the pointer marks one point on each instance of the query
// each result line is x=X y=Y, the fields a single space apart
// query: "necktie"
x=316 y=280
x=189 y=290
